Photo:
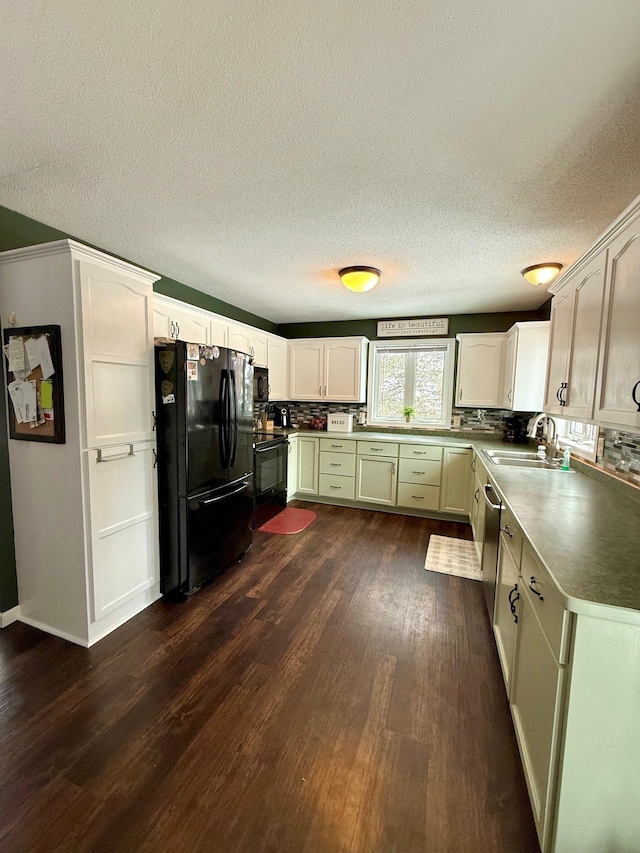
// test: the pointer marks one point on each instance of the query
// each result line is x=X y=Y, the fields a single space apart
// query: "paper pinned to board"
x=44 y=357
x=32 y=353
x=14 y=352
x=46 y=394
x=24 y=397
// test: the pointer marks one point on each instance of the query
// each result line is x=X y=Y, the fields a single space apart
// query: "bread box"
x=339 y=422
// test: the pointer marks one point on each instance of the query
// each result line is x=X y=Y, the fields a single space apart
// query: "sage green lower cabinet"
x=308 y=454
x=292 y=467
x=536 y=703
x=376 y=479
x=506 y=614
x=456 y=475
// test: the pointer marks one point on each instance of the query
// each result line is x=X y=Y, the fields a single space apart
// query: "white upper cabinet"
x=259 y=348
x=618 y=387
x=574 y=340
x=525 y=366
x=179 y=321
x=117 y=340
x=479 y=370
x=249 y=340
x=239 y=338
x=332 y=369
x=219 y=332
x=277 y=364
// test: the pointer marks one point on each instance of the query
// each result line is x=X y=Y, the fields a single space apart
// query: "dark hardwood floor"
x=327 y=695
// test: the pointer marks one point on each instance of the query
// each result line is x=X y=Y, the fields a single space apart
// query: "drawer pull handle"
x=418 y=497
x=535 y=591
x=419 y=452
x=101 y=458
x=474 y=464
x=376 y=448
x=514 y=595
x=335 y=487
x=418 y=472
x=336 y=445
x=633 y=395
x=475 y=495
x=335 y=464
x=506 y=530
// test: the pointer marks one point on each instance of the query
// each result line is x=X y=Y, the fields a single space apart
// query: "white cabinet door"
x=162 y=325
x=538 y=682
x=509 y=373
x=456 y=474
x=505 y=623
x=376 y=478
x=343 y=371
x=618 y=397
x=258 y=348
x=559 y=343
x=124 y=531
x=219 y=332
x=277 y=364
x=582 y=362
x=308 y=453
x=117 y=328
x=479 y=370
x=306 y=370
x=239 y=339
x=192 y=326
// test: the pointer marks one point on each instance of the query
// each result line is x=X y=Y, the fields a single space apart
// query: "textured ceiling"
x=251 y=149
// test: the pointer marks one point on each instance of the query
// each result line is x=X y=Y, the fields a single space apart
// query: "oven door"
x=270 y=472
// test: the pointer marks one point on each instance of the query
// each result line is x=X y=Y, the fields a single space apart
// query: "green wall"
x=458 y=324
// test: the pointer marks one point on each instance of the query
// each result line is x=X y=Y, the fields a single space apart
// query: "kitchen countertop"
x=585 y=532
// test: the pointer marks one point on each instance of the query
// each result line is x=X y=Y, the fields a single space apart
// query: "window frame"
x=563 y=439
x=448 y=344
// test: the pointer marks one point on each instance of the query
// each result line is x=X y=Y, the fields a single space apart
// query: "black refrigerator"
x=204 y=399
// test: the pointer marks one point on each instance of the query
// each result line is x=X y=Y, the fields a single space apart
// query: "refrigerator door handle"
x=210 y=501
x=233 y=420
x=224 y=435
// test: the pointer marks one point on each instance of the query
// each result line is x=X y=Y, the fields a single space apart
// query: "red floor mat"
x=290 y=520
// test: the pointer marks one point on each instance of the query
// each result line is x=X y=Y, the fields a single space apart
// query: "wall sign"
x=413 y=328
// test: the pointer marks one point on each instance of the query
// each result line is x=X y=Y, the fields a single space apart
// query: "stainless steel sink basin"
x=521 y=459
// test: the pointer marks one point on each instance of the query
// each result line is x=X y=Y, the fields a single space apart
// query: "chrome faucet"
x=551 y=435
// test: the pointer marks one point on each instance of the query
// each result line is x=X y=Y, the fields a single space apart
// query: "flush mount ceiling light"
x=542 y=273
x=360 y=279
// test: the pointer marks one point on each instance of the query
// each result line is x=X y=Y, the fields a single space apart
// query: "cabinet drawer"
x=339 y=463
x=377 y=448
x=425 y=471
x=333 y=486
x=511 y=534
x=418 y=497
x=421 y=451
x=546 y=604
x=337 y=445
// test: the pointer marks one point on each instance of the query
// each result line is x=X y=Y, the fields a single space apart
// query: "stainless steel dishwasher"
x=490 y=547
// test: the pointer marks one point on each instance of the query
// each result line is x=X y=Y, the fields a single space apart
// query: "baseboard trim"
x=9 y=616
x=392 y=510
x=33 y=623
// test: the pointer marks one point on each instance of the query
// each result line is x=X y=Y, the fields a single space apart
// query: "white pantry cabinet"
x=479 y=370
x=87 y=560
x=576 y=314
x=332 y=369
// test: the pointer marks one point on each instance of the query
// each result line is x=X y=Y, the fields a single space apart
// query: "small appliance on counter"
x=281 y=415
x=516 y=430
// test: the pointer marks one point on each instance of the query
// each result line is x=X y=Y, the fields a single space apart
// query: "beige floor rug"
x=450 y=556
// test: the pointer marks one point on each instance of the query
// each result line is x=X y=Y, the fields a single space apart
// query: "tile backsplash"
x=489 y=421
x=621 y=454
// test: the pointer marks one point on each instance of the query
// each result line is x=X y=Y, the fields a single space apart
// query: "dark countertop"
x=585 y=531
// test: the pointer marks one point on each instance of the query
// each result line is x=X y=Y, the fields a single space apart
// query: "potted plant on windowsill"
x=408 y=413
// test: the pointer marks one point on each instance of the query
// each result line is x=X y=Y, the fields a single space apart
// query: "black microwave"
x=260 y=385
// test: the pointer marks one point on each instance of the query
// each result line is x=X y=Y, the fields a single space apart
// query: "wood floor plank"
x=326 y=695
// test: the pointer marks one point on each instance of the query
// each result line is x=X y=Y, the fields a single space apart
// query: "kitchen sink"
x=521 y=459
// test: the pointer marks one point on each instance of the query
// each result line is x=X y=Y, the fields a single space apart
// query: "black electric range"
x=270 y=457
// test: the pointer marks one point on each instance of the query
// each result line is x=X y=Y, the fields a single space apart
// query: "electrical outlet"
x=456 y=420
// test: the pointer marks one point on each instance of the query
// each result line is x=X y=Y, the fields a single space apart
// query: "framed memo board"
x=35 y=391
